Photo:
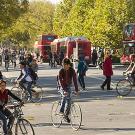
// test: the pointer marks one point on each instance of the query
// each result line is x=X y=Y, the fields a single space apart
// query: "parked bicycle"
x=75 y=115
x=37 y=93
x=124 y=86
x=21 y=125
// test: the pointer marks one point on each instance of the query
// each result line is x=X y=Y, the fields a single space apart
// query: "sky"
x=53 y=1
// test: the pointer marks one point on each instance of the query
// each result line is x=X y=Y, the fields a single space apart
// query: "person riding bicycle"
x=66 y=75
x=131 y=69
x=25 y=78
x=4 y=112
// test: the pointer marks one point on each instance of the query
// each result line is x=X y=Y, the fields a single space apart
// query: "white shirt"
x=28 y=78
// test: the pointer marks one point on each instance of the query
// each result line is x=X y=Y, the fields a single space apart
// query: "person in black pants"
x=107 y=71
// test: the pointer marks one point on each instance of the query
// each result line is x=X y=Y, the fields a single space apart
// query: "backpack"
x=32 y=74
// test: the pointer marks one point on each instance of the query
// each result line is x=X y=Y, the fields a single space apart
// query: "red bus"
x=43 y=45
x=128 y=43
x=73 y=47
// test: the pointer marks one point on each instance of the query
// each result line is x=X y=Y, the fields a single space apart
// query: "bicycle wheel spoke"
x=23 y=127
x=55 y=115
x=37 y=93
x=75 y=116
x=16 y=91
x=123 y=87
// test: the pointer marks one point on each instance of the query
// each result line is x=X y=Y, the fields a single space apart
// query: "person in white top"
x=25 y=78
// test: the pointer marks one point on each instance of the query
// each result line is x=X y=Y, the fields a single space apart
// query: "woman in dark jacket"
x=107 y=71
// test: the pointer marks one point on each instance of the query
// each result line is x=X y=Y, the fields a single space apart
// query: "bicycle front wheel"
x=75 y=116
x=37 y=93
x=55 y=115
x=24 y=127
x=123 y=87
x=17 y=92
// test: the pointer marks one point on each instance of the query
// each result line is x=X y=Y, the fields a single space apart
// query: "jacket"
x=107 y=67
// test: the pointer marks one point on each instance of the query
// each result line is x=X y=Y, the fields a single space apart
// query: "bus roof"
x=75 y=38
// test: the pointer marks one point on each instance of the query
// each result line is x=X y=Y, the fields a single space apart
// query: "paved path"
x=103 y=112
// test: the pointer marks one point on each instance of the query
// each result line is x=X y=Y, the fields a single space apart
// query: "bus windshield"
x=129 y=50
x=128 y=30
x=48 y=38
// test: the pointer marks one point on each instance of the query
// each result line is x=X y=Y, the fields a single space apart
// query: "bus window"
x=48 y=38
x=128 y=30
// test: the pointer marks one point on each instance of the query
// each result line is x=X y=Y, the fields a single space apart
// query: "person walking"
x=82 y=68
x=94 y=57
x=107 y=71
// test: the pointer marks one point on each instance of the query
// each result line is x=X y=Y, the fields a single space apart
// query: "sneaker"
x=102 y=87
x=67 y=119
x=110 y=89
x=84 y=89
x=61 y=113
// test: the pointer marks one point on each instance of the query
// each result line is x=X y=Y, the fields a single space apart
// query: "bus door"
x=45 y=50
x=81 y=50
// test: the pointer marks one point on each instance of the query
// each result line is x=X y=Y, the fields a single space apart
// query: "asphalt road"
x=104 y=112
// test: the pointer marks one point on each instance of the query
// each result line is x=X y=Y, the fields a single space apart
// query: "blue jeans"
x=81 y=80
x=66 y=99
x=4 y=115
x=29 y=84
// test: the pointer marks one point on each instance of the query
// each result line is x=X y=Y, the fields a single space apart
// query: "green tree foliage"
x=36 y=21
x=101 y=21
x=61 y=15
x=10 y=10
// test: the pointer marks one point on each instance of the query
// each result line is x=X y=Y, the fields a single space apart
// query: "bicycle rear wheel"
x=24 y=96
x=24 y=127
x=37 y=93
x=55 y=115
x=1 y=129
x=123 y=87
x=75 y=116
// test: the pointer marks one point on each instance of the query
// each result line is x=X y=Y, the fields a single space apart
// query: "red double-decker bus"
x=43 y=45
x=73 y=47
x=128 y=43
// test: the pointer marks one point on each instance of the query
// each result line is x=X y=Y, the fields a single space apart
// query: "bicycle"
x=75 y=115
x=37 y=93
x=124 y=86
x=22 y=126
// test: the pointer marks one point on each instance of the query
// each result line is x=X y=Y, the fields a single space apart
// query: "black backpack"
x=33 y=75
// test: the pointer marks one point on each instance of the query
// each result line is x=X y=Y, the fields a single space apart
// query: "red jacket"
x=107 y=67
x=66 y=78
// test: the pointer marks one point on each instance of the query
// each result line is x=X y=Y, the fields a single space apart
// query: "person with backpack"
x=66 y=75
x=82 y=68
x=25 y=78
